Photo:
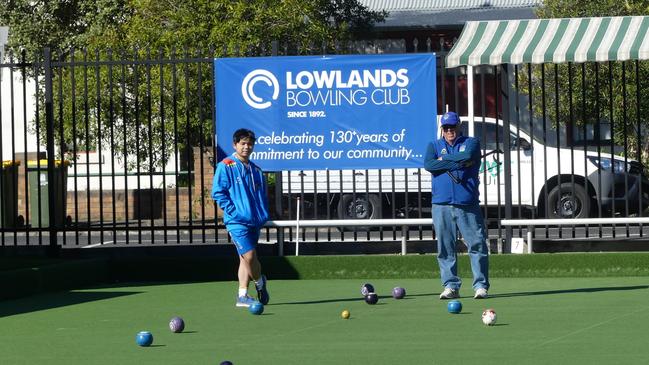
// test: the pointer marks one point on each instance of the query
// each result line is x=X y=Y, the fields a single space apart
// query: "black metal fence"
x=116 y=148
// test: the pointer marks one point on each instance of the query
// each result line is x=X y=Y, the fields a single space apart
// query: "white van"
x=554 y=182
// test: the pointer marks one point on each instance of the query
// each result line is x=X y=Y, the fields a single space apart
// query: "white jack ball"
x=489 y=317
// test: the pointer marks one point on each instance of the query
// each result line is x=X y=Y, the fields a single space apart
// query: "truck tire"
x=562 y=203
x=363 y=207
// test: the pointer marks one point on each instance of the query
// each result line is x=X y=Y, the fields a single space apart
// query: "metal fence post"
x=404 y=234
x=49 y=121
x=509 y=96
x=279 y=211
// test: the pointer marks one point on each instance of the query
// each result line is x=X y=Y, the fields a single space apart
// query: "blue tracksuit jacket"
x=241 y=192
x=462 y=159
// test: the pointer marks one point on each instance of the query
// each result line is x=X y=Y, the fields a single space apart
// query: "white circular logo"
x=248 y=84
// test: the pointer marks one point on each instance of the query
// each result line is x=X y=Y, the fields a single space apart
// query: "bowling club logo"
x=248 y=86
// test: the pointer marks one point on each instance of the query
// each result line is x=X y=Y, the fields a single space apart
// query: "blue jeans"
x=468 y=219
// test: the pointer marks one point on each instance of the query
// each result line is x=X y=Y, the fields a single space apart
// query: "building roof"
x=449 y=13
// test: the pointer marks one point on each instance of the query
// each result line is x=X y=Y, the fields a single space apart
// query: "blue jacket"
x=241 y=192
x=462 y=159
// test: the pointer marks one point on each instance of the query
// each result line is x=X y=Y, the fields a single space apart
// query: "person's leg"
x=249 y=268
x=252 y=265
x=248 y=265
x=444 y=224
x=471 y=225
x=256 y=273
x=244 y=274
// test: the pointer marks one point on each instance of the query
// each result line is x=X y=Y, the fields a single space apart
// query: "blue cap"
x=450 y=118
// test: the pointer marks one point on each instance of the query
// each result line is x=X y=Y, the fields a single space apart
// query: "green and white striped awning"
x=551 y=40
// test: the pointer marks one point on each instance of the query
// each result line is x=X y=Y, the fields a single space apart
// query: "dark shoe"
x=262 y=293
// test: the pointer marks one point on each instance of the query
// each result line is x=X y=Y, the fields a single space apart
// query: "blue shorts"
x=244 y=239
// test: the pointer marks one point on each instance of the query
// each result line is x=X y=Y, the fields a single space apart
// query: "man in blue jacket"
x=239 y=189
x=454 y=162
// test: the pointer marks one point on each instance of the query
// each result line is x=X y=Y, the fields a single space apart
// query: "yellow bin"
x=9 y=193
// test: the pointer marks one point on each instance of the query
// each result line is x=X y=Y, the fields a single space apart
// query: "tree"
x=58 y=24
x=592 y=93
x=587 y=8
x=130 y=104
x=250 y=26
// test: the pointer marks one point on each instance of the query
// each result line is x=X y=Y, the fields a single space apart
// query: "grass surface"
x=425 y=266
x=540 y=321
x=31 y=276
x=381 y=266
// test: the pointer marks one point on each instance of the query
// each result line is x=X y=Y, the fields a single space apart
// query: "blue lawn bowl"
x=256 y=308
x=454 y=306
x=144 y=338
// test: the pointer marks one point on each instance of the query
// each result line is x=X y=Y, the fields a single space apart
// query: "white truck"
x=553 y=182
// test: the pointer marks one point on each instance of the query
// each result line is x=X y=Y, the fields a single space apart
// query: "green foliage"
x=58 y=24
x=589 y=8
x=248 y=27
x=612 y=92
x=592 y=95
x=145 y=103
x=146 y=107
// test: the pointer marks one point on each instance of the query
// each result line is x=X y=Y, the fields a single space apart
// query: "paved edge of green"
x=79 y=273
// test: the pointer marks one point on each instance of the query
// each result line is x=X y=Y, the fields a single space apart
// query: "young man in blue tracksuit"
x=454 y=162
x=239 y=189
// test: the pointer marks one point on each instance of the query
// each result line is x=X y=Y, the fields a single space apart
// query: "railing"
x=531 y=223
x=403 y=223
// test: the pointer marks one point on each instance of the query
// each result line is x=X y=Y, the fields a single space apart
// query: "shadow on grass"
x=319 y=301
x=355 y=299
x=491 y=296
x=566 y=291
x=56 y=300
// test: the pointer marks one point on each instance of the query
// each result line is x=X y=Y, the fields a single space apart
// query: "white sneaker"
x=480 y=293
x=450 y=293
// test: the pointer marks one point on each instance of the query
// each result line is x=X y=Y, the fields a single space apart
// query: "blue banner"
x=329 y=112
